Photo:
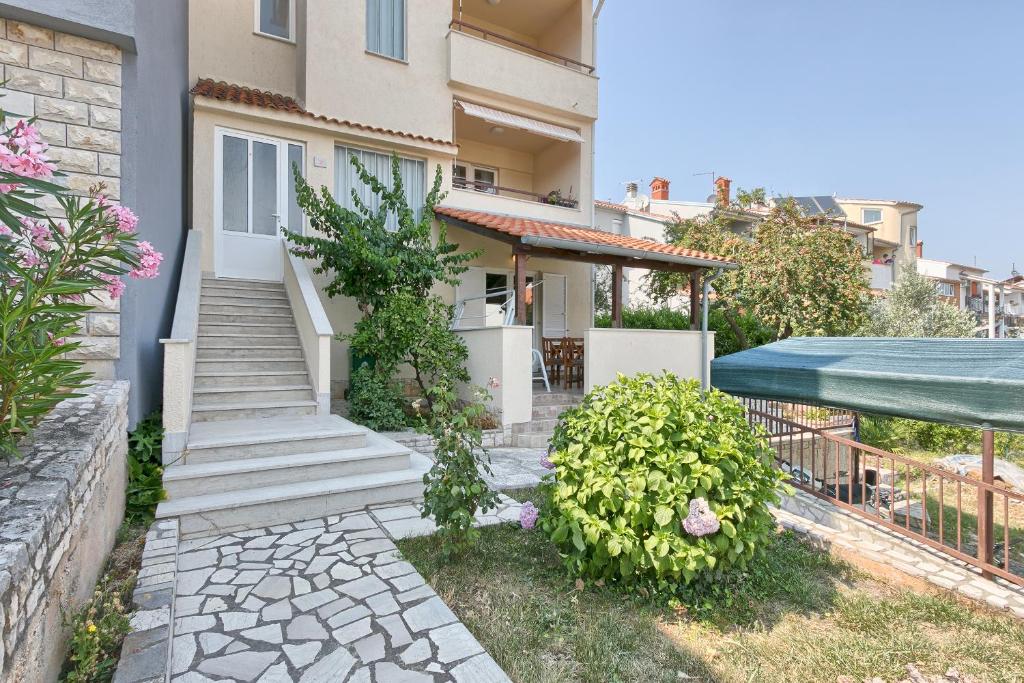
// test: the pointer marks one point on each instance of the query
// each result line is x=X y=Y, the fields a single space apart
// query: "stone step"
x=224 y=339
x=543 y=398
x=247 y=328
x=243 y=308
x=225 y=378
x=267 y=437
x=230 y=511
x=279 y=364
x=221 y=395
x=548 y=411
x=264 y=351
x=531 y=440
x=378 y=455
x=545 y=424
x=252 y=409
x=223 y=289
x=282 y=318
x=216 y=300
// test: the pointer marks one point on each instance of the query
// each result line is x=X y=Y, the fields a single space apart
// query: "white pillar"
x=991 y=311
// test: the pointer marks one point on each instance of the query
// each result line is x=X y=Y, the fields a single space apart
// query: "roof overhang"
x=525 y=123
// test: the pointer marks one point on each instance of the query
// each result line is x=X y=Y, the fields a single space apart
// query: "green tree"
x=798 y=274
x=913 y=308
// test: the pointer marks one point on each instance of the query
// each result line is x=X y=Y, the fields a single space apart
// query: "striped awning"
x=503 y=118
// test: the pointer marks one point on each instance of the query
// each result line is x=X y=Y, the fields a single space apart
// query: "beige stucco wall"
x=223 y=45
x=612 y=351
x=500 y=361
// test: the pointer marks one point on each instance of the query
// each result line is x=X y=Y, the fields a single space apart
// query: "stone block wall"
x=73 y=86
x=60 y=508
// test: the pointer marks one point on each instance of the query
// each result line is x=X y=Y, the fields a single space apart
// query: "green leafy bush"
x=899 y=435
x=375 y=401
x=145 y=471
x=664 y=318
x=97 y=631
x=629 y=463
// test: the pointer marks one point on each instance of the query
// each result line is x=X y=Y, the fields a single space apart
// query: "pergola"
x=975 y=383
x=534 y=238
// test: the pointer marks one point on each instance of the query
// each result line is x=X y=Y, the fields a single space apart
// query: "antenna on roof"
x=710 y=173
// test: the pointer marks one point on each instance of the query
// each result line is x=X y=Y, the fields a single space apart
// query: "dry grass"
x=800 y=615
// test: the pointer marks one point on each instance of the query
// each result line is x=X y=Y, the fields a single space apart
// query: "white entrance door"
x=254 y=199
x=553 y=303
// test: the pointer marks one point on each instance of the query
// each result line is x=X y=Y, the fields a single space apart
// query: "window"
x=276 y=18
x=944 y=289
x=385 y=28
x=412 y=171
x=257 y=178
x=869 y=216
x=483 y=179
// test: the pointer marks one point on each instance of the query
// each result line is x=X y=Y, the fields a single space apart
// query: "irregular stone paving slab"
x=330 y=599
x=407 y=521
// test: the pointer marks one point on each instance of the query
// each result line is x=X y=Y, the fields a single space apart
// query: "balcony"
x=881 y=276
x=517 y=165
x=532 y=54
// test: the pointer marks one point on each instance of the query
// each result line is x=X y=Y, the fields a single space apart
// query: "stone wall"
x=60 y=508
x=424 y=443
x=73 y=86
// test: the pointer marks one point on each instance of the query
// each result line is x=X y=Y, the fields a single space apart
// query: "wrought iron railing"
x=490 y=188
x=974 y=521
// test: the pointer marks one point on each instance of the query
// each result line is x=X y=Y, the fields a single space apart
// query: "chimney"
x=919 y=249
x=631 y=190
x=722 y=198
x=659 y=189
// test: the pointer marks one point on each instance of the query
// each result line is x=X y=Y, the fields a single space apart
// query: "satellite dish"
x=643 y=202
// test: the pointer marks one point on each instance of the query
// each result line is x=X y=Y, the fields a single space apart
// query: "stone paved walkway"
x=325 y=600
x=513 y=468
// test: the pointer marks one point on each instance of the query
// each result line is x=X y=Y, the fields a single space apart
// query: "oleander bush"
x=657 y=483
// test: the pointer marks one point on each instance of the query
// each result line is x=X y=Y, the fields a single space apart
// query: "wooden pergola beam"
x=519 y=271
x=617 y=280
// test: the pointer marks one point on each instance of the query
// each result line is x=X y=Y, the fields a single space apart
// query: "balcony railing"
x=488 y=34
x=553 y=198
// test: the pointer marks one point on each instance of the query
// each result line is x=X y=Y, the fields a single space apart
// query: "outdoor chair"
x=572 y=361
x=539 y=371
x=551 y=350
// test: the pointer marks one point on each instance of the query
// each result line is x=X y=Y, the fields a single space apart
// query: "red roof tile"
x=239 y=94
x=527 y=227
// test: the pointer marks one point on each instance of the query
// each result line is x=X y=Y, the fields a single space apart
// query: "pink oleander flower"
x=23 y=153
x=701 y=521
x=115 y=285
x=29 y=259
x=528 y=515
x=126 y=219
x=56 y=341
x=149 y=262
x=546 y=463
x=5 y=231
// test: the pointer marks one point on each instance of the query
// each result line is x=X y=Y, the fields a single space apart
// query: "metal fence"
x=978 y=522
x=815 y=417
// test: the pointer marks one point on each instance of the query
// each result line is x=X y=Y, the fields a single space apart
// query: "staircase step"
x=243 y=308
x=259 y=438
x=214 y=396
x=556 y=398
x=265 y=351
x=378 y=455
x=220 y=289
x=282 y=318
x=230 y=511
x=247 y=409
x=549 y=411
x=225 y=339
x=246 y=328
x=233 y=364
x=531 y=440
x=214 y=379
x=217 y=300
x=544 y=424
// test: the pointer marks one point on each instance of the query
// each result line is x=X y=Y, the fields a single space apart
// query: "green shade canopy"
x=969 y=382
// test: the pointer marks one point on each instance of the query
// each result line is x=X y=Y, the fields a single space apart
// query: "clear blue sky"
x=920 y=100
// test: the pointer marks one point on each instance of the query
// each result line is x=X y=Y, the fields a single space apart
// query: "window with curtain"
x=276 y=18
x=385 y=27
x=413 y=173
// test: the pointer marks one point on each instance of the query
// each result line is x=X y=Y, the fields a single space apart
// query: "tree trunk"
x=734 y=325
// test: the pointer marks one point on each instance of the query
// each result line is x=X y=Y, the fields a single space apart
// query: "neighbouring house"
x=996 y=304
x=106 y=83
x=502 y=98
x=1014 y=304
x=895 y=223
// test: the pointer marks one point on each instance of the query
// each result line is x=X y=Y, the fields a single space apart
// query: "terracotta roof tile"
x=239 y=94
x=527 y=227
x=622 y=208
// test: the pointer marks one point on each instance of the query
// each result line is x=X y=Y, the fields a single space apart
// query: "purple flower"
x=701 y=521
x=546 y=463
x=528 y=515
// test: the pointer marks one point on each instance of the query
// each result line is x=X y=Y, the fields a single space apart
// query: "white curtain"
x=385 y=27
x=413 y=172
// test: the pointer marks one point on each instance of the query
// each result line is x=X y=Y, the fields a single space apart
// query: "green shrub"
x=145 y=471
x=662 y=318
x=97 y=631
x=375 y=401
x=628 y=462
x=899 y=435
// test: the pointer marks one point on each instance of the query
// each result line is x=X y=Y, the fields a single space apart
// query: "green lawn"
x=799 y=615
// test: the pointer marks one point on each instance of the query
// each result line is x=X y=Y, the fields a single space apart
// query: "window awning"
x=969 y=382
x=503 y=118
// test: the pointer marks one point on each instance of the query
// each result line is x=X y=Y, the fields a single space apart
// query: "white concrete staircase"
x=258 y=453
x=546 y=408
